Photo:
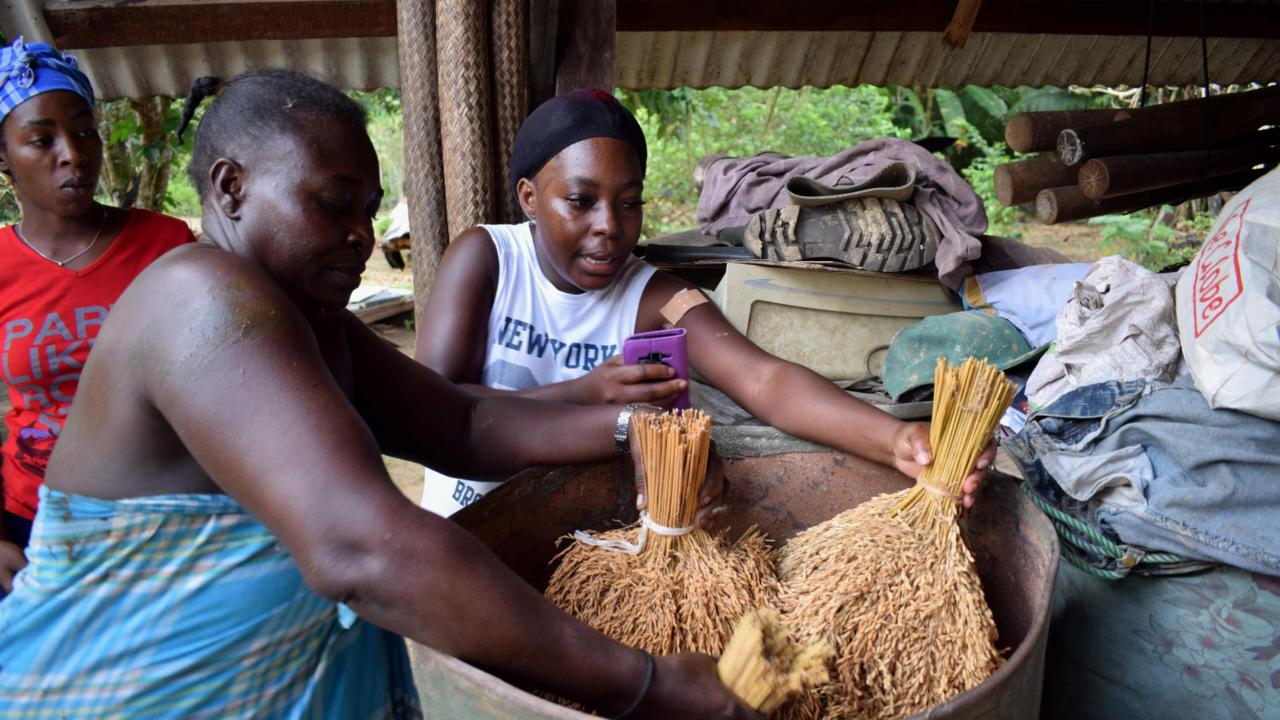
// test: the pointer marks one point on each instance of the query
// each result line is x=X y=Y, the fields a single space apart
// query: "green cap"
x=914 y=352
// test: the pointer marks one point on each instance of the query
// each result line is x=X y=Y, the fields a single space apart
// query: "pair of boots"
x=872 y=225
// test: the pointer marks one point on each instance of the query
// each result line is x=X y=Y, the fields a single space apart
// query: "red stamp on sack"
x=1217 y=280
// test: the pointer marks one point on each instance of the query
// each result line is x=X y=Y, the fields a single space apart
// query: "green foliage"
x=1055 y=98
x=181 y=198
x=1137 y=237
x=673 y=110
x=979 y=159
x=142 y=156
x=1199 y=225
x=986 y=110
x=386 y=130
x=681 y=126
x=10 y=213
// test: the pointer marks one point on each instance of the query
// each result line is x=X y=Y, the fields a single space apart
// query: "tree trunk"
x=156 y=156
x=117 y=165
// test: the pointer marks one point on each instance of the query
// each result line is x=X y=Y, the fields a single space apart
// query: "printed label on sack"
x=1217 y=279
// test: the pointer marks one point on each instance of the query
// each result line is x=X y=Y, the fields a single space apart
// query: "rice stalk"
x=891 y=583
x=681 y=592
x=765 y=666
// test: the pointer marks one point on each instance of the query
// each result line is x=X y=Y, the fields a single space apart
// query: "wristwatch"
x=621 y=431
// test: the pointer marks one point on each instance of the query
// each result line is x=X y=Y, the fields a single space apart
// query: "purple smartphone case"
x=660 y=346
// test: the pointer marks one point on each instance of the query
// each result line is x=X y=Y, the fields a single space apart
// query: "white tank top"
x=539 y=335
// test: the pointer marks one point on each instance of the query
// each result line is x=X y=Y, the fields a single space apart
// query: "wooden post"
x=1127 y=174
x=466 y=118
x=423 y=168
x=1191 y=108
x=1063 y=204
x=586 y=44
x=1018 y=182
x=1184 y=128
x=1038 y=131
x=957 y=32
x=509 y=45
x=544 y=16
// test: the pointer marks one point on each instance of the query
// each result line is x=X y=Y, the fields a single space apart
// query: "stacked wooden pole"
x=1107 y=161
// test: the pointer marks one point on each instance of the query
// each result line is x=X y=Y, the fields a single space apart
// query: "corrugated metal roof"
x=144 y=70
x=823 y=59
x=358 y=63
x=668 y=59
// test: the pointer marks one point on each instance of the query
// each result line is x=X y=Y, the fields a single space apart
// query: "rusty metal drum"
x=1014 y=546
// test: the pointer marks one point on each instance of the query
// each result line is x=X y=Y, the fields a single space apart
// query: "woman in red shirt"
x=61 y=267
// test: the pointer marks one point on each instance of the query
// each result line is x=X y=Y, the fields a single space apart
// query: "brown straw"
x=891 y=582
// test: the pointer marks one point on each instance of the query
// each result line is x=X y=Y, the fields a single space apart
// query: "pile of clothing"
x=1149 y=413
x=1148 y=426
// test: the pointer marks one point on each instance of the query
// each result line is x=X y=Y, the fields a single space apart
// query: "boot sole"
x=873 y=233
x=877 y=234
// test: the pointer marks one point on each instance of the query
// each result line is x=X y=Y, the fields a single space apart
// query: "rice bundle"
x=891 y=582
x=764 y=666
x=675 y=588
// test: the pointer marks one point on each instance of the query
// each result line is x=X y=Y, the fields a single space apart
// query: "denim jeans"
x=1153 y=466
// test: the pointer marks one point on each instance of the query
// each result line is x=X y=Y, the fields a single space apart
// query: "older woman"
x=220 y=489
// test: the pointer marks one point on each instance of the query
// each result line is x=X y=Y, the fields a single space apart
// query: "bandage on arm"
x=680 y=304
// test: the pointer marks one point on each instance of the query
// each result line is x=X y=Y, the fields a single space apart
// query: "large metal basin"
x=1014 y=546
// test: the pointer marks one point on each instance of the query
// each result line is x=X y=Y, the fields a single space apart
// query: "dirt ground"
x=378 y=272
x=1078 y=241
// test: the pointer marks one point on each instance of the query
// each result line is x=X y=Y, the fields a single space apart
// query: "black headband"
x=567 y=119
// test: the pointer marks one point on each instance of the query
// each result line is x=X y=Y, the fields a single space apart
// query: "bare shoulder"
x=663 y=284
x=202 y=282
x=661 y=287
x=192 y=306
x=472 y=252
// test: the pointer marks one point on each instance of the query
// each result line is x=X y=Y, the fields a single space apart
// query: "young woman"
x=61 y=268
x=538 y=309
x=219 y=487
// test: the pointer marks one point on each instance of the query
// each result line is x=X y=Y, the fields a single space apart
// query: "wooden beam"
x=78 y=24
x=586 y=42
x=957 y=32
x=544 y=17
x=1067 y=17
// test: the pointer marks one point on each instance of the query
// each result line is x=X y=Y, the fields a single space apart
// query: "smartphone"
x=665 y=347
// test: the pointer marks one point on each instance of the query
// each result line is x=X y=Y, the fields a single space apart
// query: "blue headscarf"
x=28 y=69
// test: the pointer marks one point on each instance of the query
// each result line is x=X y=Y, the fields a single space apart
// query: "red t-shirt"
x=49 y=317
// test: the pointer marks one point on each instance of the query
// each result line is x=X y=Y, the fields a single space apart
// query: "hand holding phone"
x=664 y=347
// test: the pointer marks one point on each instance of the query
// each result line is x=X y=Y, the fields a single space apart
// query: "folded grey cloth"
x=897 y=180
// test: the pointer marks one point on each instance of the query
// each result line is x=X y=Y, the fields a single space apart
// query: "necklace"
x=63 y=263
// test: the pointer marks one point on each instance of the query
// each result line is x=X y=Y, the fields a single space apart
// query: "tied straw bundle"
x=676 y=588
x=892 y=583
x=764 y=666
